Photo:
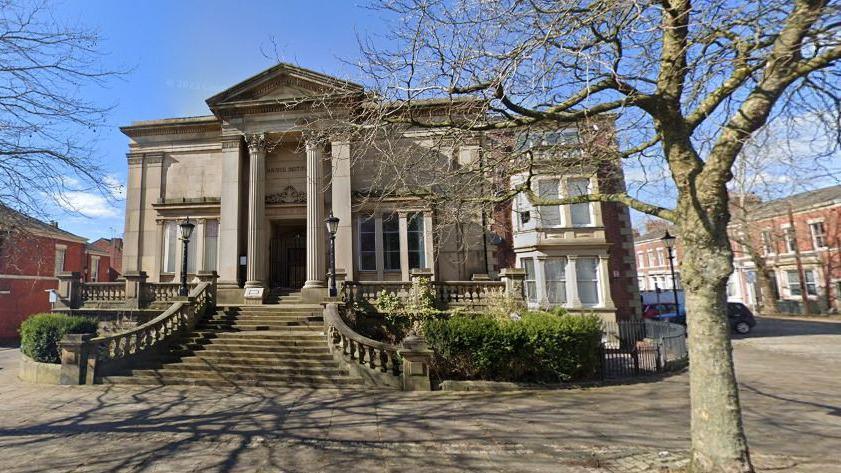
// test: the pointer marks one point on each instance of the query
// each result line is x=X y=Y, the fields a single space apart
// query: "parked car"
x=652 y=311
x=740 y=317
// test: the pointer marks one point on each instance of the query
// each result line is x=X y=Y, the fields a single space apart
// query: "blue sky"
x=182 y=52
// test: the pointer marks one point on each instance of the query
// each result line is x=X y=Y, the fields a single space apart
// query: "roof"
x=797 y=202
x=13 y=218
x=656 y=234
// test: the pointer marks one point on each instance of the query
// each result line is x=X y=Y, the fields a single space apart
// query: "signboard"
x=254 y=292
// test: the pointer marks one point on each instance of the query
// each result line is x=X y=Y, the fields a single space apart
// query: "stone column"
x=316 y=244
x=134 y=213
x=256 y=210
x=340 y=187
x=76 y=366
x=572 y=282
x=230 y=218
x=604 y=282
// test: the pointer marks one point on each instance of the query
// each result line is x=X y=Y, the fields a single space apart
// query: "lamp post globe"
x=186 y=228
x=332 y=227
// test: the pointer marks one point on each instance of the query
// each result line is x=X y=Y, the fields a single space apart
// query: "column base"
x=254 y=284
x=228 y=292
x=313 y=295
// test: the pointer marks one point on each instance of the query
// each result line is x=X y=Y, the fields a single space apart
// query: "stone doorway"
x=288 y=255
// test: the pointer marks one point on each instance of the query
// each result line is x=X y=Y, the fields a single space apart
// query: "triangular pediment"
x=283 y=82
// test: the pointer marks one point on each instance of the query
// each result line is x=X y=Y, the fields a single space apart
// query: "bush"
x=540 y=347
x=40 y=334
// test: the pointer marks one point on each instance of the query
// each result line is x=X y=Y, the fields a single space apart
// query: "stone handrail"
x=103 y=291
x=376 y=362
x=164 y=291
x=92 y=358
x=368 y=290
x=466 y=292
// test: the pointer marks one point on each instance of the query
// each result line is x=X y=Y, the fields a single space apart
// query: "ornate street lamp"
x=669 y=242
x=186 y=228
x=332 y=226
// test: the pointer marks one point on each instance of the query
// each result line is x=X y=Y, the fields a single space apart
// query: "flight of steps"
x=274 y=345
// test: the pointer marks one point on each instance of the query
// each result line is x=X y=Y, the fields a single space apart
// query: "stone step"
x=252 y=369
x=295 y=350
x=266 y=319
x=259 y=358
x=261 y=326
x=168 y=374
x=144 y=380
x=262 y=335
x=274 y=307
x=250 y=345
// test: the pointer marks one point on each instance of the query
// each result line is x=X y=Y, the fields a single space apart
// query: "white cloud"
x=88 y=204
x=115 y=187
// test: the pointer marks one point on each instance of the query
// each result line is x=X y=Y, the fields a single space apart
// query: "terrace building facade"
x=259 y=187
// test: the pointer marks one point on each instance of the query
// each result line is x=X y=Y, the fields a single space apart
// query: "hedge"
x=540 y=347
x=40 y=334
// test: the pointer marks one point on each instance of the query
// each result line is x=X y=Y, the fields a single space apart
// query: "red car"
x=652 y=311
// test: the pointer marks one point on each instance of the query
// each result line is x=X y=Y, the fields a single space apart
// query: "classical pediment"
x=278 y=84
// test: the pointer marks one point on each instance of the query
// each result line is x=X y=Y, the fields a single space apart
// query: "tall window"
x=211 y=238
x=767 y=247
x=367 y=244
x=556 y=288
x=818 y=234
x=587 y=276
x=661 y=260
x=391 y=242
x=641 y=258
x=192 y=248
x=94 y=268
x=651 y=262
x=550 y=215
x=580 y=213
x=531 y=279
x=59 y=259
x=793 y=278
x=791 y=242
x=417 y=255
x=170 y=246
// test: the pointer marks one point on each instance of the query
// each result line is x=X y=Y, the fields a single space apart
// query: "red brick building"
x=799 y=238
x=652 y=257
x=31 y=254
x=113 y=247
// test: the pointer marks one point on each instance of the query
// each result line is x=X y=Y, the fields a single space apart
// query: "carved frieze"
x=289 y=195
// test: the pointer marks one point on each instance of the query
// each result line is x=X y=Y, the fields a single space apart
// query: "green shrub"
x=40 y=334
x=540 y=347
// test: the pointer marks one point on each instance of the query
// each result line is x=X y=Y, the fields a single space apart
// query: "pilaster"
x=340 y=188
x=229 y=213
x=604 y=282
x=403 y=228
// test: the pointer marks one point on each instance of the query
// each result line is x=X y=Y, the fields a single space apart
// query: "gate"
x=288 y=260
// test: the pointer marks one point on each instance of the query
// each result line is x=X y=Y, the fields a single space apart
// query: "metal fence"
x=639 y=348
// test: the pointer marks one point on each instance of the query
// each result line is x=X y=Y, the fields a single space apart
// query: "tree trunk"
x=718 y=439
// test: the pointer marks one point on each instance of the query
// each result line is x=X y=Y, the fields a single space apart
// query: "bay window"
x=555 y=271
x=587 y=277
x=550 y=215
x=531 y=279
x=579 y=213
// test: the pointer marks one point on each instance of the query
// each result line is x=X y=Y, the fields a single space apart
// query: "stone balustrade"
x=134 y=293
x=103 y=292
x=85 y=359
x=456 y=293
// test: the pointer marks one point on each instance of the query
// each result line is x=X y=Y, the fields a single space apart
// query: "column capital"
x=313 y=144
x=257 y=142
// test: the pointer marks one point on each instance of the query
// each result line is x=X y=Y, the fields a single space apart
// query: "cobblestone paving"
x=791 y=398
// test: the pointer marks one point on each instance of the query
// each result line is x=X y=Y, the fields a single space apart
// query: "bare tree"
x=46 y=68
x=669 y=83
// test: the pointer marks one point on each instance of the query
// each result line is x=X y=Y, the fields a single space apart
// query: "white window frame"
x=564 y=261
x=169 y=254
x=60 y=256
x=641 y=258
x=597 y=280
x=567 y=187
x=815 y=236
x=767 y=238
x=557 y=195
x=532 y=295
x=661 y=257
x=790 y=243
x=94 y=268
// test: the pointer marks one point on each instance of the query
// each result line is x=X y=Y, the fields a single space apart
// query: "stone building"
x=259 y=190
x=653 y=270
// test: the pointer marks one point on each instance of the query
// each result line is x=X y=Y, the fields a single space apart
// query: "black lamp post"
x=186 y=230
x=332 y=225
x=669 y=242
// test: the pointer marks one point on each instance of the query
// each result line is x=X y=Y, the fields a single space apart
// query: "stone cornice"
x=138 y=158
x=173 y=126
